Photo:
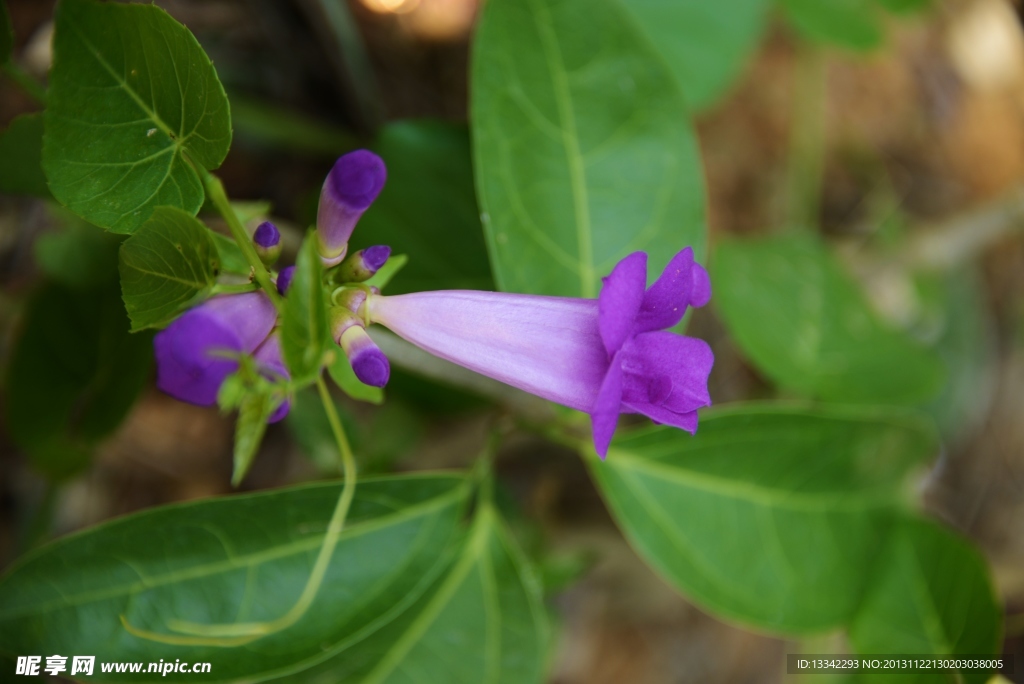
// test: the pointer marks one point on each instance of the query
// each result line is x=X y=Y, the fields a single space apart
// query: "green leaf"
x=769 y=516
x=852 y=24
x=930 y=594
x=904 y=6
x=428 y=209
x=705 y=44
x=165 y=266
x=21 y=150
x=232 y=260
x=256 y=407
x=80 y=255
x=240 y=558
x=304 y=334
x=582 y=147
x=133 y=100
x=800 y=318
x=6 y=34
x=74 y=373
x=343 y=375
x=482 y=621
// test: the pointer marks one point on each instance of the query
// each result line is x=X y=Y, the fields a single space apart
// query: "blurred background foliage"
x=891 y=131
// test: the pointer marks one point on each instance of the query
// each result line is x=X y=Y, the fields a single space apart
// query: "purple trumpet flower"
x=349 y=189
x=271 y=364
x=193 y=354
x=605 y=357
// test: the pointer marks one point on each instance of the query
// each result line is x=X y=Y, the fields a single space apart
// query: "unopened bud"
x=368 y=361
x=363 y=264
x=267 y=240
x=349 y=189
x=284 y=279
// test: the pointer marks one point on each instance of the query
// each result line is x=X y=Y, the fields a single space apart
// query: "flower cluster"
x=608 y=356
x=605 y=357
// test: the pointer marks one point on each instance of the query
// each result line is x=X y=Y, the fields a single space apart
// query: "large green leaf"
x=21 y=150
x=304 y=334
x=583 y=151
x=482 y=622
x=768 y=516
x=849 y=23
x=165 y=266
x=705 y=44
x=428 y=209
x=930 y=593
x=74 y=372
x=133 y=100
x=796 y=314
x=243 y=558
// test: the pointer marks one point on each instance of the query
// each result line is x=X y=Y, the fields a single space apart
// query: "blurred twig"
x=963 y=238
x=334 y=24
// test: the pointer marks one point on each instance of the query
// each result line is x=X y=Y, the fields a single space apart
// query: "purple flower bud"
x=349 y=189
x=267 y=240
x=271 y=364
x=605 y=357
x=363 y=264
x=368 y=361
x=284 y=279
x=193 y=354
x=267 y=235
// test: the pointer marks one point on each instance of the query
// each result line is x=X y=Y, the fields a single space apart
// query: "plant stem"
x=215 y=191
x=225 y=288
x=802 y=193
x=240 y=633
x=27 y=83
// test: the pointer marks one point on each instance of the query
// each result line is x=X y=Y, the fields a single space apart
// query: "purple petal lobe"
x=368 y=361
x=663 y=416
x=375 y=257
x=284 y=279
x=605 y=415
x=548 y=346
x=193 y=352
x=187 y=364
x=271 y=364
x=701 y=293
x=658 y=361
x=666 y=301
x=620 y=300
x=267 y=235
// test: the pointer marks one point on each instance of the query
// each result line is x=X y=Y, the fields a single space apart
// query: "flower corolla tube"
x=607 y=356
x=196 y=352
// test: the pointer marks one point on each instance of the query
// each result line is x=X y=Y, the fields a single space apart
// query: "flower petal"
x=665 y=302
x=622 y=293
x=604 y=417
x=663 y=416
x=349 y=189
x=271 y=364
x=652 y=360
x=701 y=293
x=548 y=346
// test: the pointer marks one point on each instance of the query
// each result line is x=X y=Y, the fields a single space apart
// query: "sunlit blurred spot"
x=986 y=46
x=442 y=19
x=391 y=6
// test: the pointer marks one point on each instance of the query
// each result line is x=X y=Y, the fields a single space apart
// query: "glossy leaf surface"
x=133 y=101
x=582 y=147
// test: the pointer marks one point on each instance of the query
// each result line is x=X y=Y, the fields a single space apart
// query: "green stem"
x=215 y=191
x=226 y=288
x=240 y=633
x=27 y=83
x=806 y=141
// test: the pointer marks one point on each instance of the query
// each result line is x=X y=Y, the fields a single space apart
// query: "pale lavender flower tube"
x=605 y=356
x=193 y=353
x=349 y=189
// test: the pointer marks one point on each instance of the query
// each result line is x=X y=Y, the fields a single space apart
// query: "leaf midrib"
x=236 y=563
